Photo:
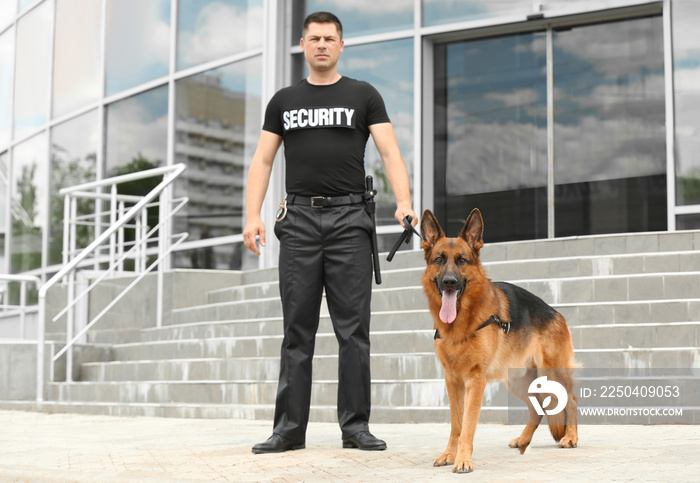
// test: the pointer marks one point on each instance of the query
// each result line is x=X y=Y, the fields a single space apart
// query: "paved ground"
x=36 y=447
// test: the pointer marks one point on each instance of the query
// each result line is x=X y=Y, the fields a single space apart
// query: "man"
x=324 y=121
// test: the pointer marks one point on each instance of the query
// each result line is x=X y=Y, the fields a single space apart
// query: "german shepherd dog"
x=484 y=328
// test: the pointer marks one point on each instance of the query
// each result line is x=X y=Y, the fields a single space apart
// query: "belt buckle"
x=320 y=199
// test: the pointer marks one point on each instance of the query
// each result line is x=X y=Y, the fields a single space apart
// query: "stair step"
x=383 y=366
x=509 y=270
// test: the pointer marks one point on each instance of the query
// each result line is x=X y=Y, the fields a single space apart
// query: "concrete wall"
x=182 y=288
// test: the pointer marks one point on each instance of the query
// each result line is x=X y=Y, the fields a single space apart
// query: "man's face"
x=322 y=46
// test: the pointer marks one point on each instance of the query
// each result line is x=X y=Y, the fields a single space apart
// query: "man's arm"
x=256 y=187
x=385 y=140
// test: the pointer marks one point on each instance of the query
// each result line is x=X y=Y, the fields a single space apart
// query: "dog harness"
x=494 y=319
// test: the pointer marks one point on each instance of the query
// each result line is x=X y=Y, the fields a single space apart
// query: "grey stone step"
x=600 y=245
x=543 y=269
x=638 y=342
x=623 y=264
x=265 y=346
x=381 y=321
x=619 y=288
x=383 y=366
x=403 y=392
x=391 y=393
x=634 y=312
x=411 y=365
x=639 y=336
x=380 y=414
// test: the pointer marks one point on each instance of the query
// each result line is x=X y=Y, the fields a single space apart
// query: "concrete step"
x=632 y=312
x=411 y=365
x=403 y=392
x=392 y=342
x=618 y=288
x=380 y=414
x=638 y=336
x=638 y=342
x=383 y=366
x=542 y=269
x=588 y=246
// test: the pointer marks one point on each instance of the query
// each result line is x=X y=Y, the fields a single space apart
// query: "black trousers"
x=324 y=248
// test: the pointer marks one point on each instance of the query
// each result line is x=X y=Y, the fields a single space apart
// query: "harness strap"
x=505 y=326
x=494 y=319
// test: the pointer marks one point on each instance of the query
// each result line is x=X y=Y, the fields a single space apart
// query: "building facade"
x=555 y=117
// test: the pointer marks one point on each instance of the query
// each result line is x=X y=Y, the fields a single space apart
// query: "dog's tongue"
x=448 y=312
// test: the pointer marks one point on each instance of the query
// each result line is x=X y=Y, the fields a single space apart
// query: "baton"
x=371 y=207
x=405 y=237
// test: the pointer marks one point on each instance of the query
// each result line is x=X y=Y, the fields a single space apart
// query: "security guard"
x=324 y=230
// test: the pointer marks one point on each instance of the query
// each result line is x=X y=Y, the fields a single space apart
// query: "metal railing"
x=126 y=213
x=10 y=311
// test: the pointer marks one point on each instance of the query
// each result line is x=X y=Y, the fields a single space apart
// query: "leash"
x=405 y=237
x=494 y=319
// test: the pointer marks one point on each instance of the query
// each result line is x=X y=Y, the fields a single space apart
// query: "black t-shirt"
x=325 y=131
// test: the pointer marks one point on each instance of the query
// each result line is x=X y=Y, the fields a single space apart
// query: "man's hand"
x=254 y=227
x=402 y=212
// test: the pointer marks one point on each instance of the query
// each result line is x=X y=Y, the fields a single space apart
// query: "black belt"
x=324 y=201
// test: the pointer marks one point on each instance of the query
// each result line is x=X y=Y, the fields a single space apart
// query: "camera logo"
x=542 y=386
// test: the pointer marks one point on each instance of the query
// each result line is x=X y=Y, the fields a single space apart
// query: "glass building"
x=555 y=117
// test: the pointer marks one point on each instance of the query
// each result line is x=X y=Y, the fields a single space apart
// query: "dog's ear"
x=430 y=230
x=473 y=230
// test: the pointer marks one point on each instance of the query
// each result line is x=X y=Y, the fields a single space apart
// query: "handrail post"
x=120 y=238
x=112 y=221
x=69 y=326
x=40 y=335
x=144 y=232
x=162 y=240
x=23 y=305
x=66 y=232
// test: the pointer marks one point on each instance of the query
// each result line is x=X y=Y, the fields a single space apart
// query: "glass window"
x=688 y=222
x=609 y=133
x=76 y=79
x=212 y=29
x=438 y=12
x=25 y=3
x=137 y=131
x=6 y=70
x=138 y=42
x=388 y=66
x=28 y=198
x=8 y=9
x=686 y=79
x=31 y=86
x=491 y=135
x=361 y=17
x=74 y=147
x=4 y=159
x=218 y=126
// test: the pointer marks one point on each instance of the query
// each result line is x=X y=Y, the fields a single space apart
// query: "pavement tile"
x=39 y=447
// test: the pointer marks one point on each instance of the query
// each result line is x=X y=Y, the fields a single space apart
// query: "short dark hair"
x=321 y=17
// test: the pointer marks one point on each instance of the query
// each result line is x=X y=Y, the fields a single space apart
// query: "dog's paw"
x=567 y=442
x=520 y=444
x=463 y=467
x=444 y=459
